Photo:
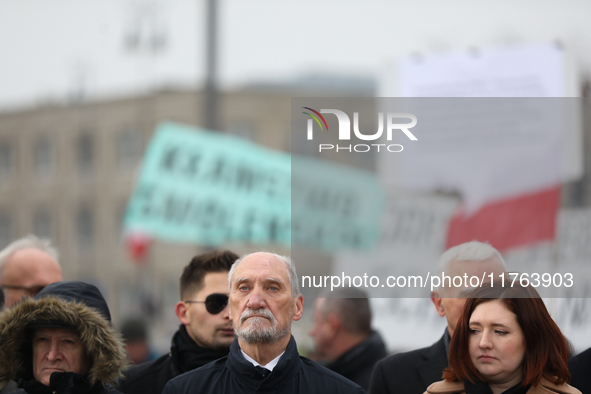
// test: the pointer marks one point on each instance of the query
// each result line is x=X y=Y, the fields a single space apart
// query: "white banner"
x=487 y=149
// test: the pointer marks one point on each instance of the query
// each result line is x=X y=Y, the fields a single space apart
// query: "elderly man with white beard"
x=264 y=301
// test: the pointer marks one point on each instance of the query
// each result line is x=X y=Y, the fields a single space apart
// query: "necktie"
x=263 y=371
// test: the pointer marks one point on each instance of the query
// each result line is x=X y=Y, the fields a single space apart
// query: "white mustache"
x=262 y=312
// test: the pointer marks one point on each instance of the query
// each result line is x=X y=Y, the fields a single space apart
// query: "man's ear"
x=182 y=312
x=299 y=307
x=334 y=323
x=436 y=299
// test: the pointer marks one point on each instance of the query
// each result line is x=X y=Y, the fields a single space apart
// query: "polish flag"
x=508 y=223
x=506 y=150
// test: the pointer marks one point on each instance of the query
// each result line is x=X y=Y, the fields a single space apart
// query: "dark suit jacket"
x=580 y=371
x=357 y=363
x=411 y=372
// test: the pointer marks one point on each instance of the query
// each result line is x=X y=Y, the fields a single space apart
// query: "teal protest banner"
x=335 y=207
x=210 y=188
x=197 y=186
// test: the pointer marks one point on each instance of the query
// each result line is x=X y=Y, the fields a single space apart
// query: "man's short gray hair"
x=291 y=272
x=469 y=251
x=29 y=242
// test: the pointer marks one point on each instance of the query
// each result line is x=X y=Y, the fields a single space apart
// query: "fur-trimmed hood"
x=75 y=304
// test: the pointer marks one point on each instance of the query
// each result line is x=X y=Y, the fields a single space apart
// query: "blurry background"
x=84 y=83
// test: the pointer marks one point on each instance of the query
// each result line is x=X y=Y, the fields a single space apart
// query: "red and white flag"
x=508 y=223
x=505 y=147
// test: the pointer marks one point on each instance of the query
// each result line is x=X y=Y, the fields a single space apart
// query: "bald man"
x=27 y=265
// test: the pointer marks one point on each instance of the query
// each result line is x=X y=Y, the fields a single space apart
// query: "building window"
x=43 y=157
x=5 y=230
x=6 y=160
x=85 y=153
x=130 y=146
x=42 y=224
x=84 y=228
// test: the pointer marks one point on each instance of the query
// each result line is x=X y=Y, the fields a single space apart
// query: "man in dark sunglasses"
x=264 y=301
x=206 y=331
x=27 y=265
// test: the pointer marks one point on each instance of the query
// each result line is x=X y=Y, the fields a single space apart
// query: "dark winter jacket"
x=234 y=374
x=74 y=305
x=411 y=372
x=185 y=355
x=579 y=367
x=357 y=363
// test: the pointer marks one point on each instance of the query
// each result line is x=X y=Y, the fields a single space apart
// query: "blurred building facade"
x=67 y=171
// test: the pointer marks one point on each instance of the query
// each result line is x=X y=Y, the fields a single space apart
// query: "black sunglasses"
x=214 y=303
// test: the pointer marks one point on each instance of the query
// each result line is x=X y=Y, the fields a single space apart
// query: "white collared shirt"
x=270 y=365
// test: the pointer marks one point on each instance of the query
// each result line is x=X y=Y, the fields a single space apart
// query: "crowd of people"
x=234 y=336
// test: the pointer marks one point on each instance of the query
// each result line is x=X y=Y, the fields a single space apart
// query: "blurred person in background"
x=61 y=342
x=205 y=333
x=580 y=371
x=264 y=301
x=412 y=372
x=135 y=337
x=6 y=386
x=343 y=339
x=27 y=265
x=506 y=342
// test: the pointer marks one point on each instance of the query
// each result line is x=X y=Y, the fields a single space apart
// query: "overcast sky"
x=52 y=49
